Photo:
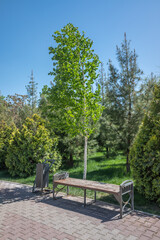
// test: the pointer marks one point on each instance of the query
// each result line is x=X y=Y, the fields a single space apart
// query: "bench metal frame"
x=126 y=188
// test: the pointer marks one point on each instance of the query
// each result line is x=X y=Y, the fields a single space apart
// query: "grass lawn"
x=111 y=170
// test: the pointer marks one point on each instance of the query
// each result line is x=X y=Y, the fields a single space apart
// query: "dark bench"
x=117 y=190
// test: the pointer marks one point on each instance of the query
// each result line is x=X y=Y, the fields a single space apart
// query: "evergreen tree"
x=147 y=92
x=121 y=93
x=145 y=151
x=32 y=93
x=102 y=82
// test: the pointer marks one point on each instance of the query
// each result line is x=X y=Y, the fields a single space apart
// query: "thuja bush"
x=145 y=152
x=29 y=145
x=5 y=135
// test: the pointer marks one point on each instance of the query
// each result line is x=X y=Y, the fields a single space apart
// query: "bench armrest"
x=60 y=175
x=126 y=183
x=126 y=186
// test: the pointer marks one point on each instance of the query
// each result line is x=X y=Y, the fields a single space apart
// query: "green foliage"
x=5 y=135
x=145 y=152
x=29 y=145
x=72 y=102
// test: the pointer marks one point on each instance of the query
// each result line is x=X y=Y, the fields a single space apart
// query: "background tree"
x=17 y=108
x=4 y=110
x=121 y=96
x=73 y=104
x=102 y=83
x=32 y=93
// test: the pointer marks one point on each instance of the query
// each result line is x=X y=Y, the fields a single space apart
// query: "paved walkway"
x=24 y=215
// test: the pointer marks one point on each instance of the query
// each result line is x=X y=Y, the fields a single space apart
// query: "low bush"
x=29 y=145
x=5 y=135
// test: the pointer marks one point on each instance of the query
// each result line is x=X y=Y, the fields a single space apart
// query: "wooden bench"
x=117 y=190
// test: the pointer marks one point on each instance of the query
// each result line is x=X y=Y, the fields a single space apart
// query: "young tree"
x=73 y=104
x=121 y=91
x=32 y=93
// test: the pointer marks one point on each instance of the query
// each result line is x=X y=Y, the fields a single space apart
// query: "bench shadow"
x=102 y=211
x=16 y=194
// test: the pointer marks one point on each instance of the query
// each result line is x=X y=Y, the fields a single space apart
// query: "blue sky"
x=26 y=28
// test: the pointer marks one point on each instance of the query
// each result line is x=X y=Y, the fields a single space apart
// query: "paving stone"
x=25 y=216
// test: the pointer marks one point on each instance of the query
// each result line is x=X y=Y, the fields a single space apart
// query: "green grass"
x=111 y=170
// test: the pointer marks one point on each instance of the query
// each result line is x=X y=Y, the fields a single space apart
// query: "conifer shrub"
x=5 y=135
x=145 y=152
x=29 y=145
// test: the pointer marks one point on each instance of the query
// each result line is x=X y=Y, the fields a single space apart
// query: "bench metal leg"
x=84 y=197
x=67 y=190
x=126 y=188
x=132 y=198
x=95 y=196
x=121 y=205
x=53 y=193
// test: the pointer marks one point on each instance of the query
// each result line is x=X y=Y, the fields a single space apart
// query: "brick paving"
x=25 y=215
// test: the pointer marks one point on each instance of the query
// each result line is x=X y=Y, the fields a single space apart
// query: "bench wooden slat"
x=87 y=184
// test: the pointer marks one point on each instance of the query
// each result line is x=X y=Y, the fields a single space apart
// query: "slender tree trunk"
x=71 y=160
x=85 y=158
x=129 y=135
x=85 y=138
x=127 y=163
x=107 y=152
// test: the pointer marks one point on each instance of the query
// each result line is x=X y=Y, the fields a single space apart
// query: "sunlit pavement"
x=26 y=215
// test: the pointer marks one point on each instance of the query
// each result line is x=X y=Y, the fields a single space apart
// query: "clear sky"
x=26 y=28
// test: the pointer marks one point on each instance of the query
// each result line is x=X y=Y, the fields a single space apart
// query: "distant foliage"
x=5 y=135
x=30 y=145
x=145 y=152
